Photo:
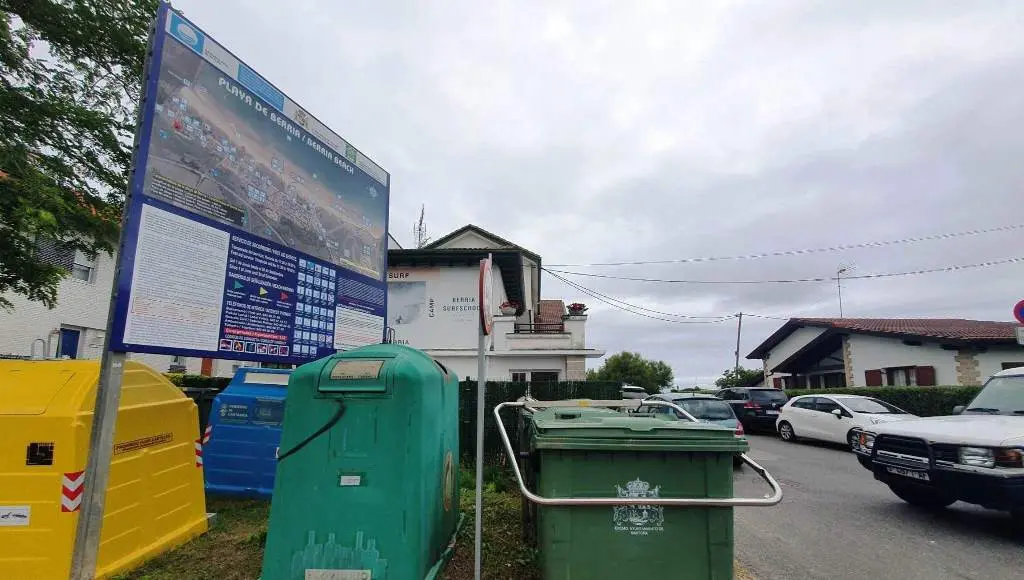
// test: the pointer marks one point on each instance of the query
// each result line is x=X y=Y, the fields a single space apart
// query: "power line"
x=798 y=280
x=839 y=248
x=611 y=302
x=764 y=316
x=596 y=294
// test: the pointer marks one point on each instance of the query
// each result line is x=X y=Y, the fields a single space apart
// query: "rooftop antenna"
x=419 y=229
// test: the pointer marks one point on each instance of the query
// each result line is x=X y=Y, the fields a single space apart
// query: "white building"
x=838 y=352
x=432 y=305
x=539 y=342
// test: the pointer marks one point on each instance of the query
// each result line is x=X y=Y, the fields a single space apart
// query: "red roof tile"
x=951 y=328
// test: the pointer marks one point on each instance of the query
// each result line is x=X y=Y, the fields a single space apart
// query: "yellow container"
x=155 y=499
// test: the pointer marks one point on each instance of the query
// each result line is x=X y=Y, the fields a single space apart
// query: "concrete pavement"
x=836 y=522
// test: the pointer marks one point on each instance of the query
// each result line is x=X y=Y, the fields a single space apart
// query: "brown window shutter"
x=777 y=381
x=926 y=376
x=873 y=378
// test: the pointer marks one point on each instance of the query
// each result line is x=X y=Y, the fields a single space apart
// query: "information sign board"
x=253 y=232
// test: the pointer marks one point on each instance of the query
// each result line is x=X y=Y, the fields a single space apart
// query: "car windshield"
x=707 y=409
x=1002 y=395
x=870 y=406
x=768 y=396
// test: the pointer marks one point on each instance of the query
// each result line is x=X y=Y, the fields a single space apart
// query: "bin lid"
x=29 y=387
x=596 y=429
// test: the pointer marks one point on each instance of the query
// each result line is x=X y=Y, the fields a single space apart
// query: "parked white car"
x=833 y=418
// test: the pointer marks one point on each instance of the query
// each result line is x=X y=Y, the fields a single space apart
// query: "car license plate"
x=771 y=412
x=921 y=475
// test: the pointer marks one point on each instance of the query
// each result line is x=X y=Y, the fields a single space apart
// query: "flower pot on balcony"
x=508 y=310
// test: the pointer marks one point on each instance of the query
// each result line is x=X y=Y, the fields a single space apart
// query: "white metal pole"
x=108 y=390
x=481 y=381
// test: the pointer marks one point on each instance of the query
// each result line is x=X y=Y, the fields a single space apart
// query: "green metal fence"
x=499 y=392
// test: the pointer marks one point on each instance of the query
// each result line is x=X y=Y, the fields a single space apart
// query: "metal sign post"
x=108 y=389
x=1020 y=335
x=486 y=325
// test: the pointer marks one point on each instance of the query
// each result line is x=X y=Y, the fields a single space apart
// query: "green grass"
x=233 y=548
x=504 y=553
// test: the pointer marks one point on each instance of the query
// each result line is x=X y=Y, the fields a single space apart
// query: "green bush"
x=922 y=401
x=197 y=381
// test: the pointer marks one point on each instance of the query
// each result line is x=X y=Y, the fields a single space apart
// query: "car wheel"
x=851 y=437
x=786 y=431
x=921 y=497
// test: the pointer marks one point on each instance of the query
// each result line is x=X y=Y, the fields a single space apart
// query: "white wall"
x=990 y=362
x=531 y=276
x=874 y=352
x=499 y=368
x=794 y=342
x=437 y=307
x=471 y=240
x=80 y=304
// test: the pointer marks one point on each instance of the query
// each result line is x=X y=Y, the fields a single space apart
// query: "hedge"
x=922 y=401
x=497 y=392
x=197 y=381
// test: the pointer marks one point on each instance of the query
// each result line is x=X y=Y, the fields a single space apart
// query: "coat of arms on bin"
x=638 y=520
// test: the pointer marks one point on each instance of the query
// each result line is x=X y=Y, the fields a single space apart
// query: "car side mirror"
x=958 y=409
x=838 y=413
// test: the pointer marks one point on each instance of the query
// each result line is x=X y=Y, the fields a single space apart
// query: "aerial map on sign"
x=253 y=232
x=216 y=150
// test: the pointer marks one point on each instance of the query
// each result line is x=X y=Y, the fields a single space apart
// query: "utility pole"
x=739 y=329
x=839 y=287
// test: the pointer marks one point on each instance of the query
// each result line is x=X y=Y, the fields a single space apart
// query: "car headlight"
x=977 y=456
x=866 y=441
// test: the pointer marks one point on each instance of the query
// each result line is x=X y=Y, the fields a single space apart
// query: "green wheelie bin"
x=632 y=497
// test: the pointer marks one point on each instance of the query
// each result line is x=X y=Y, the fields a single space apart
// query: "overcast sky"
x=598 y=131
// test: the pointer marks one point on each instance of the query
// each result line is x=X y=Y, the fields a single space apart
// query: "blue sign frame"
x=253 y=232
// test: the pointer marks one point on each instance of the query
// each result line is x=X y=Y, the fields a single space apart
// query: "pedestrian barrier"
x=616 y=493
x=154 y=499
x=242 y=437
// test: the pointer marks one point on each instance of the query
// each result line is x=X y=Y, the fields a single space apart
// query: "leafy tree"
x=738 y=377
x=70 y=79
x=633 y=369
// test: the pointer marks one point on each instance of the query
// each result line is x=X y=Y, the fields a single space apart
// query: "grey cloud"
x=603 y=131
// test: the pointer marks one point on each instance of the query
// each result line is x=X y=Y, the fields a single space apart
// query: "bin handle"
x=771 y=500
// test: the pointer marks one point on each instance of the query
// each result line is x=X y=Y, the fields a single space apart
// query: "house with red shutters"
x=820 y=353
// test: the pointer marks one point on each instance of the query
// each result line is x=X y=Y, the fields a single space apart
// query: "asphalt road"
x=836 y=522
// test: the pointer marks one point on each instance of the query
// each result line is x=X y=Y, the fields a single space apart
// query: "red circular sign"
x=486 y=293
x=1018 y=311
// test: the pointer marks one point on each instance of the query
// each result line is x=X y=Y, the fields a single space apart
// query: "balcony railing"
x=539 y=328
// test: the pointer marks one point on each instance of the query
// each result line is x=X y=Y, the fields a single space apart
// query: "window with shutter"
x=873 y=378
x=777 y=382
x=925 y=376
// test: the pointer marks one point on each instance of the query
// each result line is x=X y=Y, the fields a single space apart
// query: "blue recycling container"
x=244 y=432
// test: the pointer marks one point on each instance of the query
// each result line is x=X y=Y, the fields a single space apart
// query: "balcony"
x=539 y=327
x=511 y=335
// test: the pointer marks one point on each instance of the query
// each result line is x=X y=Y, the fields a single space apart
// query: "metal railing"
x=533 y=405
x=539 y=327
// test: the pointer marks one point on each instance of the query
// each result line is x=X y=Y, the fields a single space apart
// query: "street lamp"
x=839 y=286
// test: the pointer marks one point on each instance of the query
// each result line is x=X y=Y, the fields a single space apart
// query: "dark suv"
x=756 y=408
